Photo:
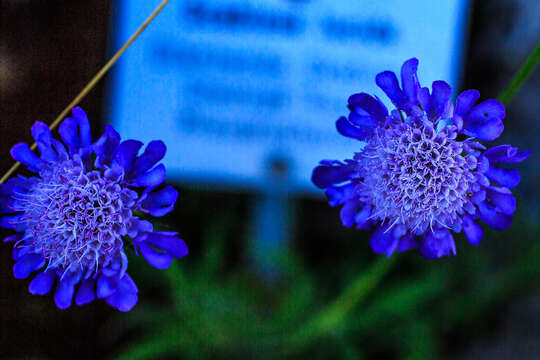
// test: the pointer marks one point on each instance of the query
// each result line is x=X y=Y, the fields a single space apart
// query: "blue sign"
x=234 y=86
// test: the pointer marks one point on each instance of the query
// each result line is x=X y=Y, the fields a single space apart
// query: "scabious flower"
x=422 y=171
x=75 y=218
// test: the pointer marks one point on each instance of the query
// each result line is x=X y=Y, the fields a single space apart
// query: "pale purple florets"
x=78 y=215
x=421 y=172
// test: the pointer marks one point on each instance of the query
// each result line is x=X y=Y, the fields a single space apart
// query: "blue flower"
x=421 y=172
x=75 y=218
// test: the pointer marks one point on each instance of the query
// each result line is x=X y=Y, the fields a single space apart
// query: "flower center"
x=77 y=218
x=416 y=176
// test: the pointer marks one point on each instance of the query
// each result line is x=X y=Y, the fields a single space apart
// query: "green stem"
x=522 y=75
x=332 y=318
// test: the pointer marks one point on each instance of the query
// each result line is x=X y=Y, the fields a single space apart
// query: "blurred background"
x=245 y=95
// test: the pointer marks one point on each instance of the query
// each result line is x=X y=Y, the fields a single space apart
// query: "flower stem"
x=331 y=319
x=520 y=77
x=92 y=82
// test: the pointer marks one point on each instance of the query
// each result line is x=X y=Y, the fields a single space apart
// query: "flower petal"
x=438 y=243
x=326 y=175
x=64 y=293
x=127 y=152
x=337 y=194
x=106 y=286
x=27 y=264
x=502 y=198
x=465 y=101
x=472 y=230
x=43 y=137
x=349 y=211
x=81 y=118
x=484 y=121
x=505 y=177
x=489 y=214
x=106 y=147
x=409 y=79
x=86 y=292
x=368 y=105
x=439 y=100
x=166 y=242
x=161 y=202
x=156 y=259
x=154 y=152
x=506 y=154
x=388 y=82
x=345 y=128
x=384 y=241
x=152 y=178
x=407 y=242
x=125 y=298
x=22 y=153
x=42 y=283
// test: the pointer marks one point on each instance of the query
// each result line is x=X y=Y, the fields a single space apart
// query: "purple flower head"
x=422 y=172
x=74 y=218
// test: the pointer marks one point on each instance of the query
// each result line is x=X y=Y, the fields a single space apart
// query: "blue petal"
x=487 y=131
x=12 y=238
x=126 y=297
x=484 y=121
x=388 y=82
x=489 y=214
x=161 y=202
x=69 y=133
x=439 y=100
x=154 y=152
x=22 y=153
x=504 y=177
x=156 y=259
x=465 y=101
x=42 y=283
x=106 y=286
x=43 y=137
x=409 y=79
x=324 y=176
x=349 y=211
x=337 y=194
x=81 y=118
x=407 y=242
x=345 y=128
x=168 y=243
x=86 y=293
x=365 y=122
x=384 y=241
x=502 y=198
x=506 y=154
x=362 y=217
x=127 y=152
x=27 y=264
x=106 y=147
x=64 y=293
x=369 y=106
x=137 y=226
x=437 y=244
x=472 y=230
x=13 y=222
x=152 y=178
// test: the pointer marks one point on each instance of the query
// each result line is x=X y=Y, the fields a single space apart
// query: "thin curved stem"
x=331 y=318
x=523 y=73
x=92 y=82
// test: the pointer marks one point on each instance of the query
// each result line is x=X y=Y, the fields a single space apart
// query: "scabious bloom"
x=422 y=171
x=76 y=216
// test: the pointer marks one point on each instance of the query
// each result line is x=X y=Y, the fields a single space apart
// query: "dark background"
x=48 y=52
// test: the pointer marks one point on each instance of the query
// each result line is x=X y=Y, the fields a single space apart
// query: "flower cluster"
x=422 y=172
x=75 y=218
